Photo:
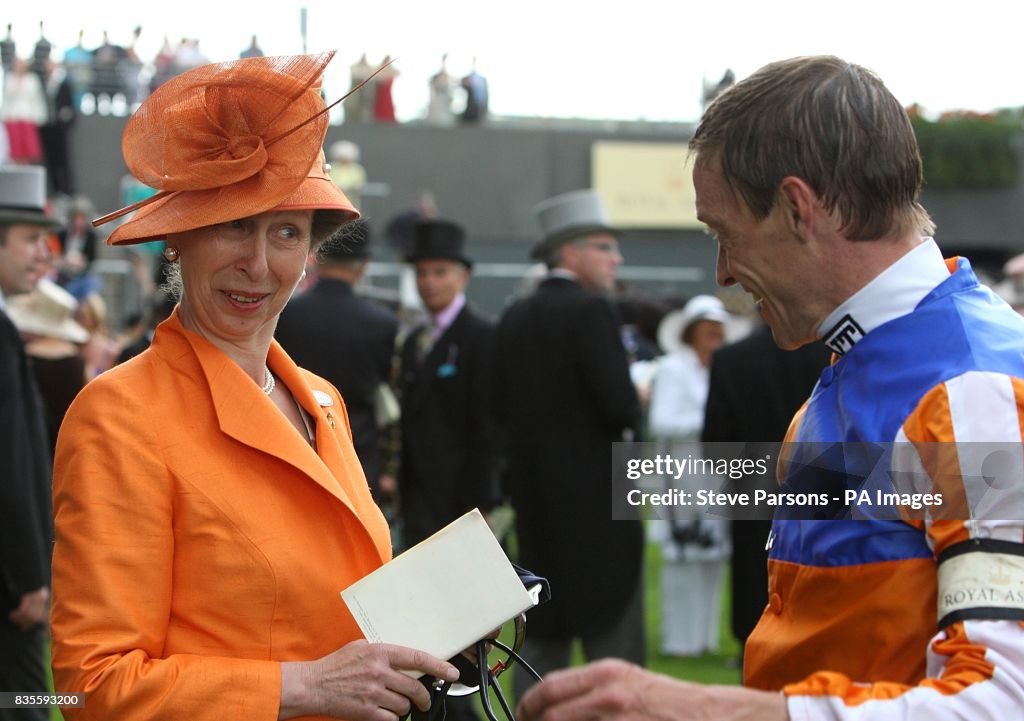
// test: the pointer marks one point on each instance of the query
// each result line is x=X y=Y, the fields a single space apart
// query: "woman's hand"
x=360 y=681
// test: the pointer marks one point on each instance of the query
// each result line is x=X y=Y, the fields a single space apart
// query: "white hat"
x=569 y=216
x=345 y=150
x=47 y=311
x=674 y=324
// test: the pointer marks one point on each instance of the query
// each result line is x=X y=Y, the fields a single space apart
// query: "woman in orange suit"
x=209 y=504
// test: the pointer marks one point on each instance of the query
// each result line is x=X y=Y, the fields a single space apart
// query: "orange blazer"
x=200 y=540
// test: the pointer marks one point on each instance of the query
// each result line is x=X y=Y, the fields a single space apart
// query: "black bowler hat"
x=439 y=240
x=350 y=242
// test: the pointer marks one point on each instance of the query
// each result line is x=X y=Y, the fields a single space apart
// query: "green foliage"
x=968 y=151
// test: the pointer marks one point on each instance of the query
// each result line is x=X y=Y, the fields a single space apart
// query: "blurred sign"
x=645 y=185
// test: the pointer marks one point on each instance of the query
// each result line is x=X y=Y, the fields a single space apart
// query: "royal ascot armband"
x=981 y=579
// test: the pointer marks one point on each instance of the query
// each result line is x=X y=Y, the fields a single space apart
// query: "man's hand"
x=616 y=690
x=33 y=609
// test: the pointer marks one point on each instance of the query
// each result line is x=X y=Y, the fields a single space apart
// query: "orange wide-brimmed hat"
x=226 y=141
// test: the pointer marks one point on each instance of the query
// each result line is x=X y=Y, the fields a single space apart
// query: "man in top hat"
x=565 y=395
x=26 y=528
x=345 y=338
x=448 y=434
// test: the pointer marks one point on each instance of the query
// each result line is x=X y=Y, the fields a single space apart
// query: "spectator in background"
x=477 y=97
x=7 y=51
x=23 y=111
x=359 y=106
x=694 y=546
x=41 y=55
x=640 y=319
x=401 y=234
x=346 y=171
x=439 y=109
x=53 y=341
x=26 y=525
x=383 y=100
x=61 y=112
x=163 y=66
x=347 y=339
x=188 y=55
x=449 y=452
x=130 y=69
x=78 y=246
x=564 y=395
x=106 y=73
x=253 y=51
x=101 y=349
x=78 y=66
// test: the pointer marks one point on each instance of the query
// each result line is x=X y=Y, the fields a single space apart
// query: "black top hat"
x=439 y=239
x=350 y=242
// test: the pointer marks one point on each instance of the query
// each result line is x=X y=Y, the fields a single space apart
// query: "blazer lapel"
x=248 y=416
x=444 y=353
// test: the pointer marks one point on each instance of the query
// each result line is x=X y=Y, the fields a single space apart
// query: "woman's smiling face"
x=238 y=276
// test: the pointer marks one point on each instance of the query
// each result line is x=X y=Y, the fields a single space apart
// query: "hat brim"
x=160 y=219
x=675 y=323
x=550 y=243
x=28 y=217
x=67 y=330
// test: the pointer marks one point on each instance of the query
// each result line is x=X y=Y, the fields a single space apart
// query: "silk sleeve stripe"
x=983 y=409
x=986 y=425
x=930 y=431
x=967 y=433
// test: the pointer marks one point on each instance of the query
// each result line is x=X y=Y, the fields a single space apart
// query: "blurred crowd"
x=44 y=84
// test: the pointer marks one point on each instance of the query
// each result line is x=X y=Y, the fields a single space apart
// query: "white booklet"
x=443 y=594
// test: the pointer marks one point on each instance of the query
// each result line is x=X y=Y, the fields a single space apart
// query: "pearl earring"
x=171 y=254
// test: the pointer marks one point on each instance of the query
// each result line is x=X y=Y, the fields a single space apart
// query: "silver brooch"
x=323 y=399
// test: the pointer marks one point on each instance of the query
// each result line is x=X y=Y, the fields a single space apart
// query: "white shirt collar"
x=563 y=273
x=894 y=292
x=3 y=303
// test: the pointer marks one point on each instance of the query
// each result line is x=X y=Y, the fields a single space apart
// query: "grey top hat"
x=23 y=196
x=569 y=216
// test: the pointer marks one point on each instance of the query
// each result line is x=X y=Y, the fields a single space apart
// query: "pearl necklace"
x=269 y=383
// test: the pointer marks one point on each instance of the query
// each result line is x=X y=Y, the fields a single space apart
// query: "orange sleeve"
x=112 y=580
